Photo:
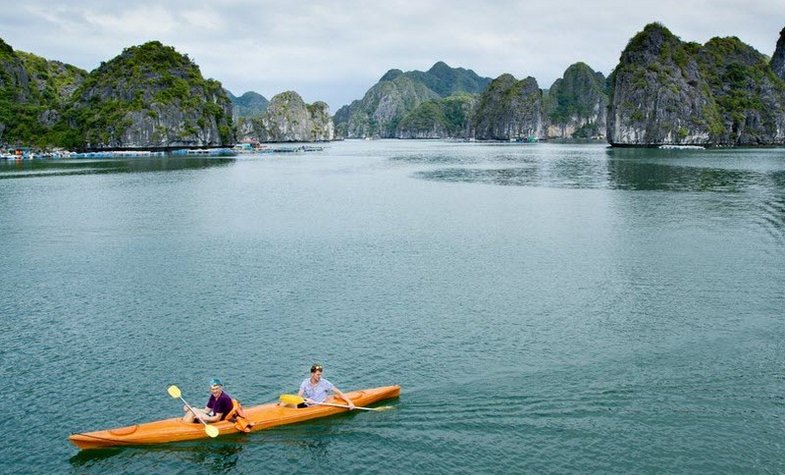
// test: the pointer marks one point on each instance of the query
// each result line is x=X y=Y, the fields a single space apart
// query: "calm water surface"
x=546 y=308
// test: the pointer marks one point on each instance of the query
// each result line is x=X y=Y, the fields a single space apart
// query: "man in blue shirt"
x=317 y=389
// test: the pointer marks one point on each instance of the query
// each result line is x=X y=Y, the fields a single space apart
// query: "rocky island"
x=576 y=105
x=150 y=96
x=416 y=104
x=34 y=94
x=722 y=93
x=446 y=102
x=287 y=118
x=662 y=92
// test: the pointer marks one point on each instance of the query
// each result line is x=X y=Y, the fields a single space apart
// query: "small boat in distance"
x=681 y=147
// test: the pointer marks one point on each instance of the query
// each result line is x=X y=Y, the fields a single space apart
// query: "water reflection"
x=212 y=457
x=220 y=459
x=632 y=170
x=632 y=175
x=753 y=179
x=772 y=206
x=43 y=168
x=316 y=447
x=495 y=176
x=557 y=174
x=85 y=457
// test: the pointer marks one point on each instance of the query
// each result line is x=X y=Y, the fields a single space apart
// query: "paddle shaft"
x=341 y=405
x=294 y=399
x=196 y=414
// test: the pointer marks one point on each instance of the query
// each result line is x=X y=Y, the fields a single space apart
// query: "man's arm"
x=344 y=397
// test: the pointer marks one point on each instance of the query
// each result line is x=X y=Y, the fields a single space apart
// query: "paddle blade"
x=291 y=399
x=174 y=391
x=382 y=408
x=212 y=431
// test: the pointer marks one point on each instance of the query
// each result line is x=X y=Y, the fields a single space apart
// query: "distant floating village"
x=239 y=149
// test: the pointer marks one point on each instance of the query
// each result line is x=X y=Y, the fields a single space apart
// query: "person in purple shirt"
x=316 y=388
x=218 y=406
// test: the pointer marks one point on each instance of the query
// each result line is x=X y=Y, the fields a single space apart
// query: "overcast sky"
x=336 y=50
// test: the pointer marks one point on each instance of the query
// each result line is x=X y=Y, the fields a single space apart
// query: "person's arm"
x=223 y=406
x=344 y=397
x=205 y=413
x=206 y=418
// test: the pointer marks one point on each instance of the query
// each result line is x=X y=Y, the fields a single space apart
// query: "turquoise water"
x=545 y=308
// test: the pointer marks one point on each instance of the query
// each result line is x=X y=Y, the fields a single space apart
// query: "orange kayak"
x=263 y=416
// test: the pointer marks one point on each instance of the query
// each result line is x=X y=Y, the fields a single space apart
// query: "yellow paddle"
x=294 y=400
x=174 y=391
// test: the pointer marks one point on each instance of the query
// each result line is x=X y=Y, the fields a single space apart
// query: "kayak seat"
x=237 y=416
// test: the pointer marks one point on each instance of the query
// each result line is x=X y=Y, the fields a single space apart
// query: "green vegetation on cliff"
x=576 y=94
x=446 y=81
x=657 y=64
x=425 y=116
x=6 y=51
x=438 y=118
x=576 y=104
x=397 y=94
x=151 y=95
x=668 y=91
x=250 y=104
x=740 y=79
x=33 y=94
x=509 y=109
x=288 y=119
x=383 y=107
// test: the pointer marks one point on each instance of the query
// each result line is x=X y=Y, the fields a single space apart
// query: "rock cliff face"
x=289 y=119
x=749 y=95
x=382 y=107
x=152 y=96
x=34 y=94
x=509 y=110
x=576 y=104
x=659 y=95
x=322 y=126
x=397 y=94
x=665 y=91
x=14 y=86
x=778 y=60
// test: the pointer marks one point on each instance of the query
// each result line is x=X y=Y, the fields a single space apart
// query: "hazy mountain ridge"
x=250 y=104
x=407 y=105
x=399 y=93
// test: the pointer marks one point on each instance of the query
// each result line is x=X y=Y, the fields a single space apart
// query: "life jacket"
x=237 y=416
